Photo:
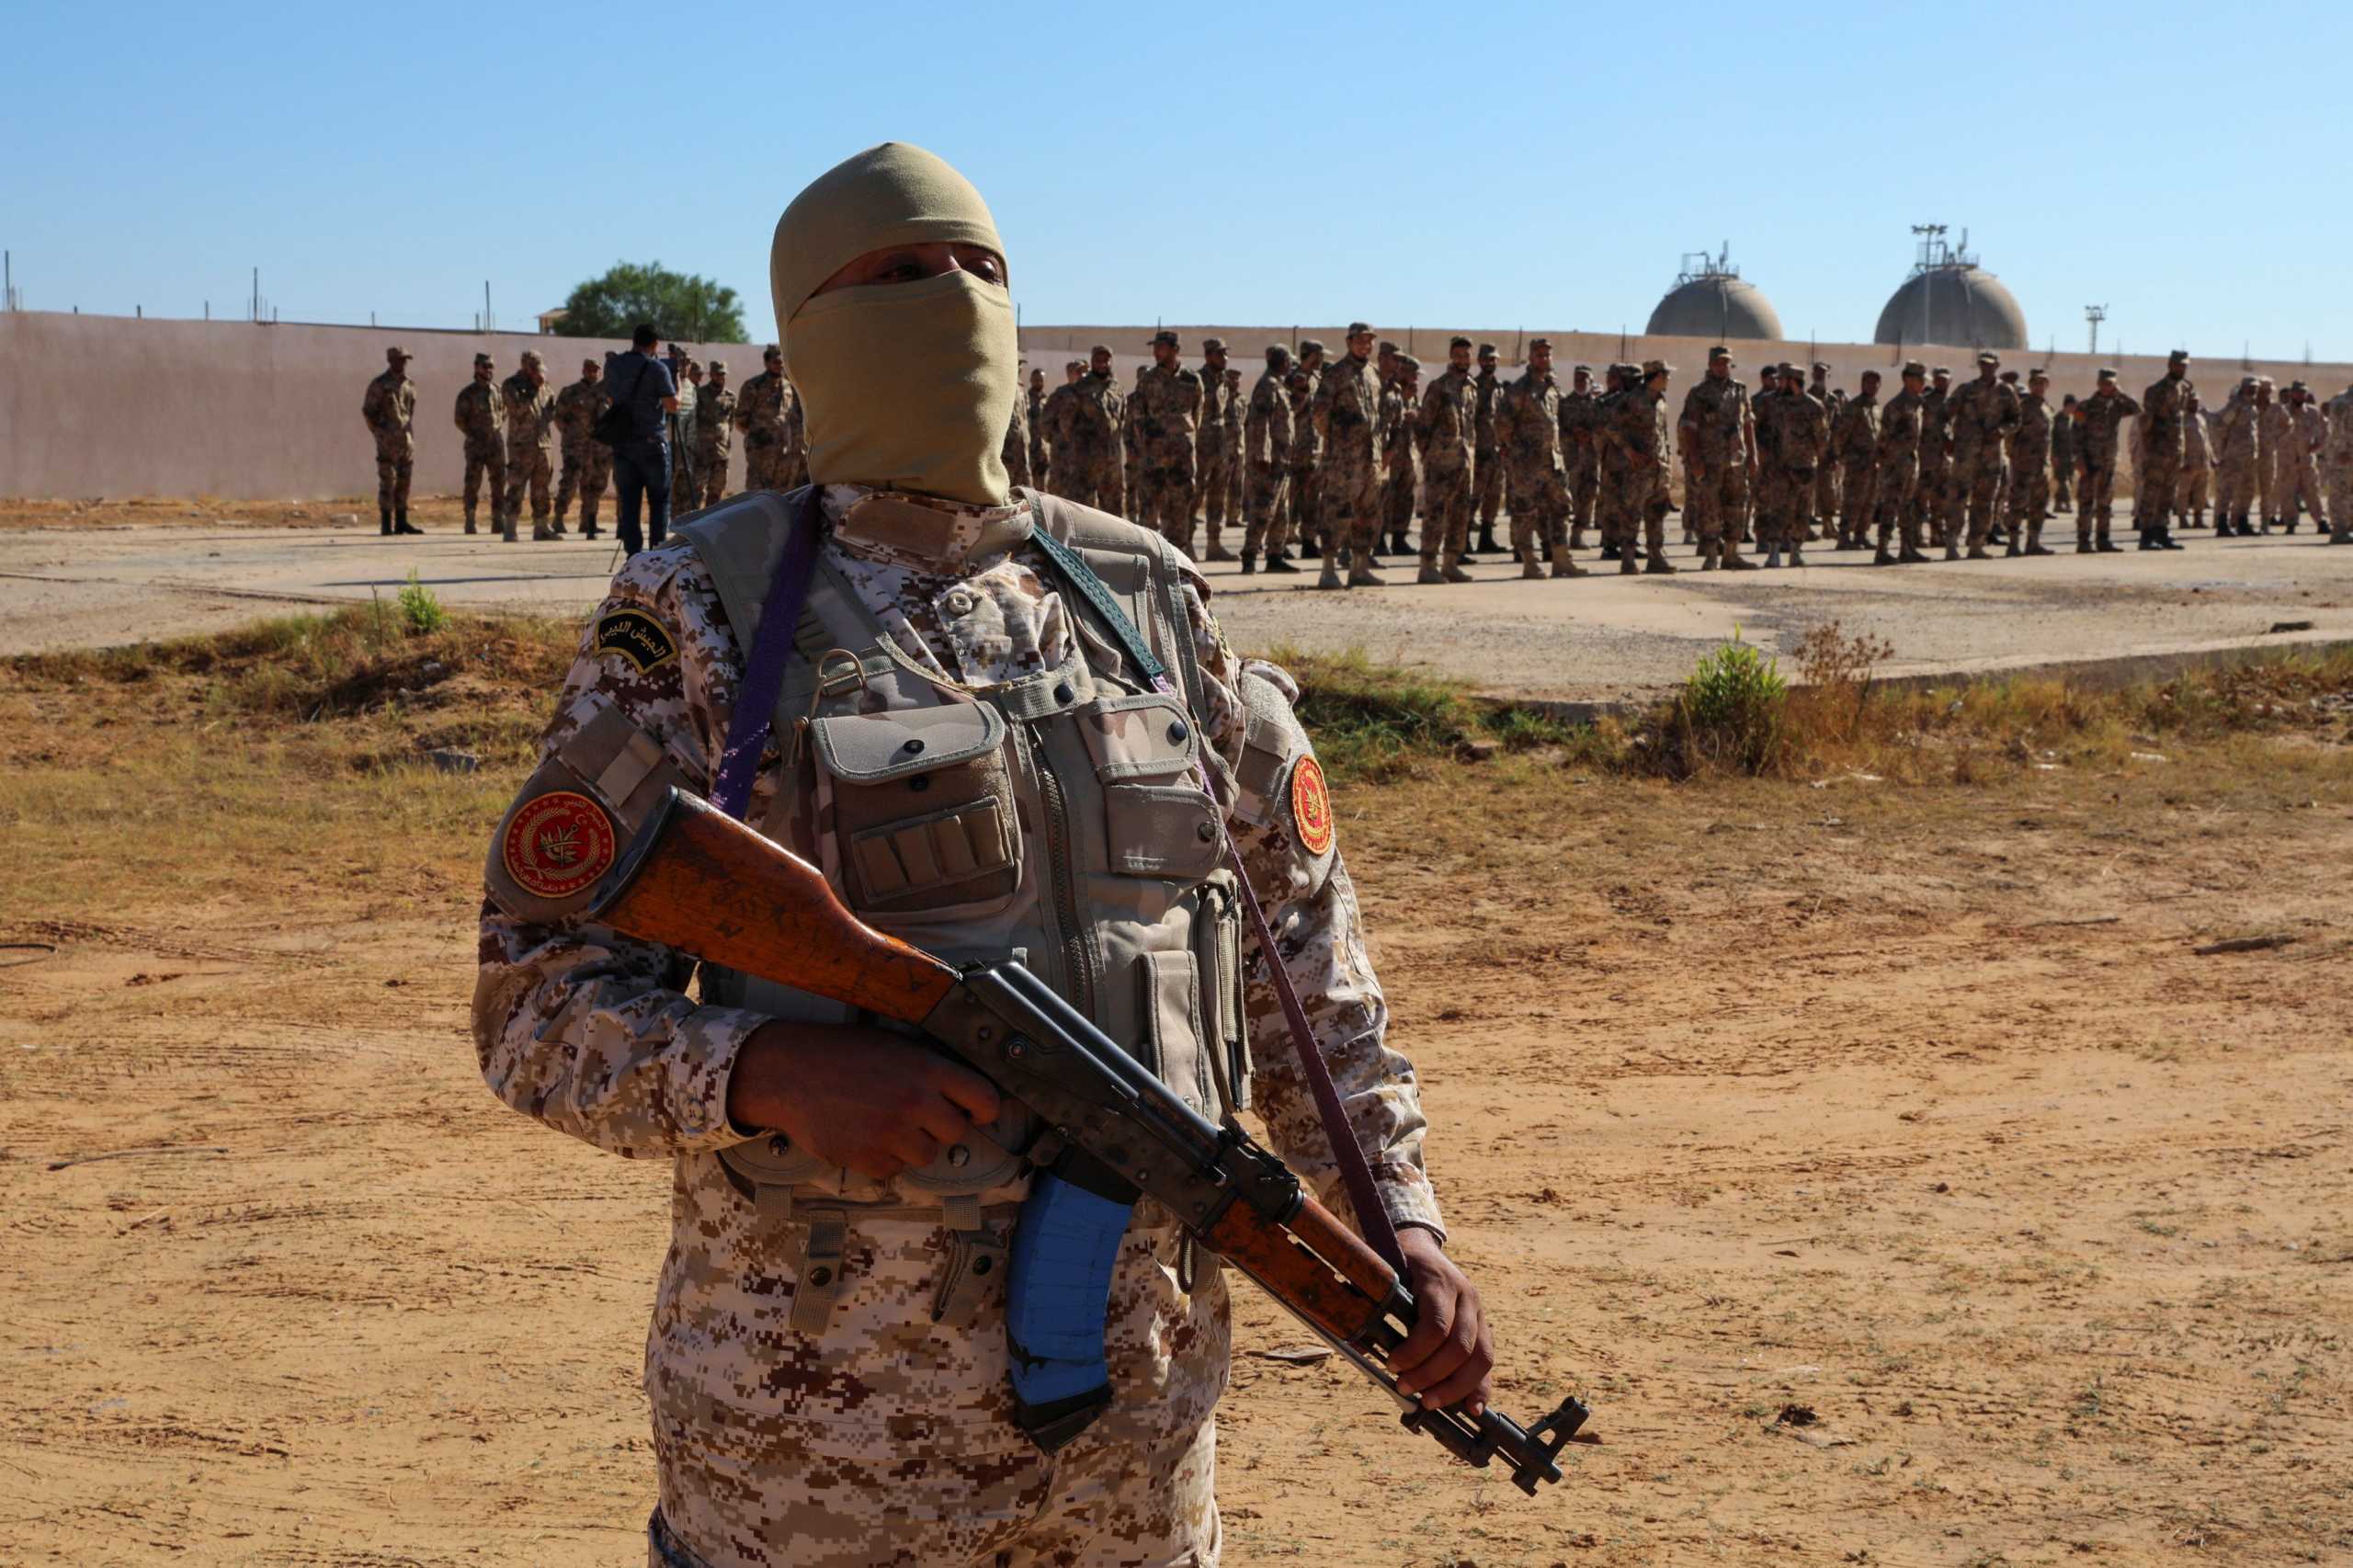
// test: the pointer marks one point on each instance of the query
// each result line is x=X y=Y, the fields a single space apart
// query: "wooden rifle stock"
x=697 y=879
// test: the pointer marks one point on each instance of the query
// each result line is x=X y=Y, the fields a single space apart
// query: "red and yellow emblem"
x=559 y=844
x=1310 y=805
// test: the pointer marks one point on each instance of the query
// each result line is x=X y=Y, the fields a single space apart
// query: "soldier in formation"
x=1164 y=441
x=587 y=463
x=1033 y=408
x=1307 y=449
x=1581 y=423
x=2062 y=455
x=1718 y=432
x=1214 y=451
x=766 y=415
x=1854 y=443
x=686 y=476
x=1486 y=454
x=1935 y=453
x=1792 y=434
x=2166 y=409
x=482 y=423
x=2197 y=465
x=529 y=407
x=1235 y=408
x=1527 y=427
x=1981 y=415
x=714 y=435
x=1401 y=461
x=2340 y=465
x=2030 y=469
x=1895 y=469
x=2299 y=481
x=390 y=410
x=1266 y=432
x=1449 y=434
x=1829 y=478
x=2097 y=421
x=1346 y=414
x=1610 y=496
x=2238 y=435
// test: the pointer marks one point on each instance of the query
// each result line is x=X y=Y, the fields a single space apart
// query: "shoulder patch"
x=1310 y=805
x=636 y=636
x=558 y=844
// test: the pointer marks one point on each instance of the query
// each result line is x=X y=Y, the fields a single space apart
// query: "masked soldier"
x=390 y=409
x=829 y=1357
x=482 y=424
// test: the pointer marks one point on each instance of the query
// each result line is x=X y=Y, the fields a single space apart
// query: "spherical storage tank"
x=1715 y=306
x=1961 y=305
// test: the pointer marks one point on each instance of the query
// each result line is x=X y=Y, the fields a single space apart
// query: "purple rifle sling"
x=747 y=732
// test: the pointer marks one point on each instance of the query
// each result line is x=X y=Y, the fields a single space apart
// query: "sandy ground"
x=116 y=573
x=1882 y=1165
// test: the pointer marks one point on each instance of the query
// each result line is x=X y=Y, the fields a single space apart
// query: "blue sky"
x=1492 y=164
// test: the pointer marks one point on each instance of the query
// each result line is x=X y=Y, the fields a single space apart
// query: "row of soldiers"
x=1342 y=455
x=522 y=436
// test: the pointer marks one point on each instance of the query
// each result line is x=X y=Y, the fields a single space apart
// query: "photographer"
x=643 y=391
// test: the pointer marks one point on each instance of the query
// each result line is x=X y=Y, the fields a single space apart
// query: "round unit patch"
x=1310 y=805
x=558 y=844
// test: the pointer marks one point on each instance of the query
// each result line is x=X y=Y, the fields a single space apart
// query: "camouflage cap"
x=1310 y=345
x=1276 y=352
x=1543 y=343
x=1385 y=346
x=532 y=357
x=716 y=368
x=1989 y=357
x=2249 y=384
x=771 y=352
x=2298 y=386
x=1487 y=351
x=2108 y=375
x=1718 y=352
x=481 y=360
x=2040 y=373
x=1873 y=376
x=1101 y=349
x=1582 y=370
x=1360 y=329
x=1914 y=367
x=1657 y=368
x=591 y=363
x=396 y=352
x=1454 y=342
x=1940 y=371
x=1213 y=345
x=1409 y=364
x=2179 y=356
x=1164 y=336
x=1822 y=366
x=2260 y=381
x=2008 y=376
x=1232 y=374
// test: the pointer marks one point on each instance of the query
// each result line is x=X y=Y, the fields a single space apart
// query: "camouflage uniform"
x=789 y=1427
x=1213 y=455
x=1090 y=428
x=2096 y=420
x=2063 y=457
x=714 y=437
x=1033 y=410
x=2278 y=423
x=1934 y=486
x=1895 y=473
x=1487 y=457
x=1231 y=437
x=390 y=409
x=1014 y=452
x=1347 y=414
x=1718 y=429
x=1305 y=461
x=685 y=483
x=2166 y=410
x=2031 y=474
x=1800 y=434
x=1854 y=441
x=1133 y=436
x=530 y=449
x=1266 y=444
x=587 y=463
x=1581 y=459
x=1527 y=427
x=1450 y=431
x=1173 y=404
x=1061 y=463
x=2310 y=437
x=2236 y=490
x=2197 y=465
x=478 y=420
x=2338 y=466
x=765 y=410
x=1401 y=464
x=1982 y=412
x=1829 y=480
x=1639 y=438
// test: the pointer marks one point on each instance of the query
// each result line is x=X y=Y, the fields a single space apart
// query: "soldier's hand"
x=858 y=1097
x=1446 y=1359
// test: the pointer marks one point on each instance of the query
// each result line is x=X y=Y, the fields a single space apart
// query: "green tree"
x=679 y=305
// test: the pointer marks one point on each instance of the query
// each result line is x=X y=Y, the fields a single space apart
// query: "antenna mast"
x=2095 y=314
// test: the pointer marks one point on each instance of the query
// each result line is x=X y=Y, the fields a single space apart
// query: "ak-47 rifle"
x=697 y=880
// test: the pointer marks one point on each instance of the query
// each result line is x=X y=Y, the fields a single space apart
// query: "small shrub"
x=1729 y=714
x=420 y=608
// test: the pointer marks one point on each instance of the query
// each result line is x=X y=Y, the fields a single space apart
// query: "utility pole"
x=489 y=322
x=2095 y=314
x=8 y=281
x=255 y=315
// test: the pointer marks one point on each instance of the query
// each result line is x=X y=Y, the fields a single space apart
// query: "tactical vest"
x=1060 y=818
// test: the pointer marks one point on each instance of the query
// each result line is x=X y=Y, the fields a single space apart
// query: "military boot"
x=1219 y=553
x=1453 y=572
x=469 y=522
x=1797 y=553
x=1361 y=574
x=1429 y=574
x=540 y=533
x=1282 y=562
x=384 y=521
x=1308 y=551
x=1487 y=537
x=2034 y=545
x=1610 y=550
x=1249 y=562
x=1772 y=558
x=1564 y=567
x=1529 y=569
x=1710 y=552
x=1733 y=560
x=2165 y=539
x=2108 y=546
x=1627 y=564
x=1576 y=538
x=1331 y=577
x=1656 y=566
x=2013 y=547
x=1882 y=556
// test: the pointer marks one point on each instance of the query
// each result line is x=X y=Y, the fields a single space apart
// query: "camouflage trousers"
x=1642 y=512
x=1784 y=507
x=485 y=461
x=1929 y=494
x=2156 y=487
x=1540 y=513
x=1214 y=480
x=528 y=468
x=587 y=469
x=1488 y=466
x=1585 y=490
x=2299 y=485
x=1716 y=496
x=1165 y=504
x=1091 y=479
x=1895 y=503
x=2236 y=494
x=1857 y=501
x=2029 y=500
x=885 y=1437
x=1267 y=509
x=766 y=465
x=711 y=478
x=2340 y=493
x=1828 y=488
x=1446 y=513
x=1306 y=502
x=1610 y=511
x=2095 y=498
x=1397 y=489
x=395 y=462
x=2062 y=481
x=1350 y=505
x=1975 y=480
x=2197 y=486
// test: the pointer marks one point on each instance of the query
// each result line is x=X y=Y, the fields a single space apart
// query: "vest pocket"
x=1171 y=1009
x=915 y=809
x=1157 y=822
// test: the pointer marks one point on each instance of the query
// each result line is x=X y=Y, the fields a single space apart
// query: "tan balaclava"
x=906 y=386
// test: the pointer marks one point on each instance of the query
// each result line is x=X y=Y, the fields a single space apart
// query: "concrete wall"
x=105 y=405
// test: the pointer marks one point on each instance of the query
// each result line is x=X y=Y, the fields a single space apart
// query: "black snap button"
x=919 y=783
x=820 y=1276
x=1063 y=693
x=914 y=745
x=780 y=1144
x=1206 y=829
x=981 y=1266
x=1177 y=731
